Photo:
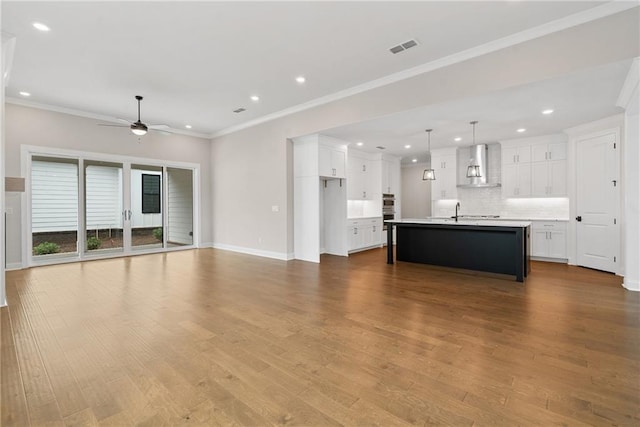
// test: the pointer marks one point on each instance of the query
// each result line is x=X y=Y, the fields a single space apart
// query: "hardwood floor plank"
x=13 y=400
x=207 y=337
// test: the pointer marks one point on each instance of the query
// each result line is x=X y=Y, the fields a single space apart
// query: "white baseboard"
x=545 y=259
x=205 y=245
x=251 y=251
x=631 y=285
x=13 y=266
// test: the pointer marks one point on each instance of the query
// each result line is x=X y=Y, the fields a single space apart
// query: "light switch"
x=275 y=208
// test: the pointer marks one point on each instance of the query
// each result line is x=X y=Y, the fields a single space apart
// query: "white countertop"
x=364 y=217
x=503 y=218
x=451 y=221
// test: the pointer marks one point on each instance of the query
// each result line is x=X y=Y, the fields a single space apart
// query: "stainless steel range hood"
x=476 y=155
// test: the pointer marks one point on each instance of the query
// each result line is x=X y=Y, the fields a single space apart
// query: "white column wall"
x=632 y=185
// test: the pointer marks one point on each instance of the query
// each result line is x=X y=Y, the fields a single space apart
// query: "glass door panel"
x=54 y=207
x=104 y=211
x=179 y=207
x=147 y=231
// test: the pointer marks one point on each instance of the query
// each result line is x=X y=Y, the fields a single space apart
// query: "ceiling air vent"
x=240 y=110
x=380 y=147
x=403 y=46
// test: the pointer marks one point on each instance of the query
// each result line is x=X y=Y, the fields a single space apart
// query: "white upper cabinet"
x=332 y=161
x=444 y=163
x=513 y=155
x=516 y=180
x=546 y=152
x=549 y=170
x=390 y=176
x=535 y=167
x=362 y=177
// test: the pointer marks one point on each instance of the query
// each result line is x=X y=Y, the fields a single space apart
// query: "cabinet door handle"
x=364 y=194
x=374 y=228
x=355 y=230
x=364 y=168
x=549 y=155
x=518 y=158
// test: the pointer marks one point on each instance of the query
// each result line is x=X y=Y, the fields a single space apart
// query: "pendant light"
x=429 y=174
x=473 y=171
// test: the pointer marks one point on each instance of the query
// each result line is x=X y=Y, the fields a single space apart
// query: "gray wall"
x=31 y=126
x=416 y=193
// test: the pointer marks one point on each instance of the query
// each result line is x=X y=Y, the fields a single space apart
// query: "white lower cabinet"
x=364 y=233
x=549 y=239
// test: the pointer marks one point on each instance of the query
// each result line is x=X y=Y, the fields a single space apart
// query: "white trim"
x=26 y=154
x=283 y=256
x=570 y=21
x=631 y=285
x=630 y=84
x=597 y=127
x=94 y=116
x=12 y=266
x=606 y=126
x=115 y=158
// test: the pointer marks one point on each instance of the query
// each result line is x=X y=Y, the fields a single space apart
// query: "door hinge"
x=614 y=259
x=614 y=182
x=614 y=221
x=614 y=145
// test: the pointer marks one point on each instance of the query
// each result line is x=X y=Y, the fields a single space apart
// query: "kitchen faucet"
x=457 y=207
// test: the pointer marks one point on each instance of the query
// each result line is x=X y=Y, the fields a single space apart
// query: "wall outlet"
x=275 y=208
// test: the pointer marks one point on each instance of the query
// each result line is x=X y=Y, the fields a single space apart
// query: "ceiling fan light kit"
x=138 y=128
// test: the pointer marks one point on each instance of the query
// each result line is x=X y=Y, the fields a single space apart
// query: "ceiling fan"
x=138 y=128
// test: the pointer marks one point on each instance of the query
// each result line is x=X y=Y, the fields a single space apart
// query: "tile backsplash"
x=489 y=201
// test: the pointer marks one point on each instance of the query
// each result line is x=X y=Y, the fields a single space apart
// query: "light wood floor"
x=208 y=337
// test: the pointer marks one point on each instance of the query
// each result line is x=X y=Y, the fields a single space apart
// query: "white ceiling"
x=195 y=62
x=576 y=98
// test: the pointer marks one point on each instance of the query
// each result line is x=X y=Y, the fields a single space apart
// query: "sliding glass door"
x=179 y=207
x=104 y=211
x=146 y=213
x=85 y=207
x=54 y=207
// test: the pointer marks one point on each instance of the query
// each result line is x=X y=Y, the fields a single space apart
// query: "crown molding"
x=630 y=84
x=85 y=114
x=611 y=122
x=570 y=21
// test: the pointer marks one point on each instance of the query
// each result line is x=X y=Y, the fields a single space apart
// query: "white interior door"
x=597 y=202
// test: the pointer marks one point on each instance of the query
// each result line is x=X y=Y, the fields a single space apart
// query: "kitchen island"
x=490 y=246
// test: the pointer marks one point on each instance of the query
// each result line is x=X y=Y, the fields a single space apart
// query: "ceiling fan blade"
x=156 y=127
x=123 y=120
x=115 y=126
x=161 y=131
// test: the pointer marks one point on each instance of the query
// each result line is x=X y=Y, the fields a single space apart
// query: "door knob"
x=579 y=218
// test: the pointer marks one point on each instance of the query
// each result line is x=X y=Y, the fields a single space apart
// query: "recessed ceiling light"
x=360 y=144
x=521 y=130
x=187 y=126
x=548 y=111
x=407 y=146
x=301 y=79
x=414 y=160
x=40 y=26
x=255 y=98
x=25 y=94
x=457 y=139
